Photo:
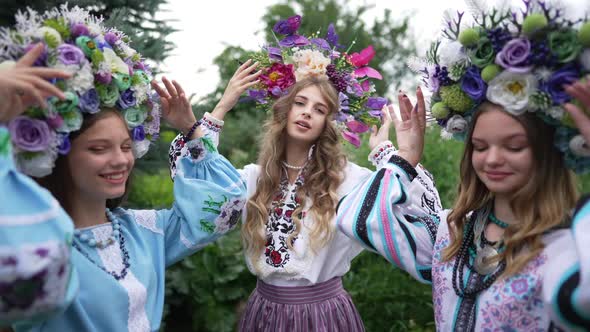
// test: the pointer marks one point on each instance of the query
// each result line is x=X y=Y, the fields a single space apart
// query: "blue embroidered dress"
x=378 y=215
x=208 y=195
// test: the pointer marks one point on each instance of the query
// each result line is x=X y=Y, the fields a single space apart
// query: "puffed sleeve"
x=384 y=215
x=37 y=278
x=566 y=285
x=209 y=126
x=209 y=196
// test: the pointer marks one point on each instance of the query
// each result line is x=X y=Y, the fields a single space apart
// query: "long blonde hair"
x=542 y=204
x=323 y=174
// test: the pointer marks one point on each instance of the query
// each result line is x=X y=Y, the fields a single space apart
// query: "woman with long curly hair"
x=289 y=235
x=507 y=256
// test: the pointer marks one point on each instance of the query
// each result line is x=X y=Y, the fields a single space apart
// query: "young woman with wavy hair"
x=496 y=259
x=508 y=256
x=537 y=209
x=289 y=235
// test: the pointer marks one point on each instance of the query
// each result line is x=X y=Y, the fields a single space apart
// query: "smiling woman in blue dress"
x=82 y=148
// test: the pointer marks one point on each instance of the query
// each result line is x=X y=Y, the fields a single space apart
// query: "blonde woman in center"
x=289 y=235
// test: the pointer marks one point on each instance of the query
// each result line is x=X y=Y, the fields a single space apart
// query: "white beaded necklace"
x=294 y=167
x=298 y=168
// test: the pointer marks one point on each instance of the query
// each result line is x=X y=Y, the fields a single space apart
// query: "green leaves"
x=208 y=287
x=387 y=298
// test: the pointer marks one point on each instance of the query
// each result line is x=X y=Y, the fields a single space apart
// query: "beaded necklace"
x=294 y=167
x=463 y=259
x=298 y=168
x=116 y=235
x=497 y=221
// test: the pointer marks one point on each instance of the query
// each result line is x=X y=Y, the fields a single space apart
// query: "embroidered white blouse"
x=277 y=264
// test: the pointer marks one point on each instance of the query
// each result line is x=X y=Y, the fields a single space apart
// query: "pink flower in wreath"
x=278 y=75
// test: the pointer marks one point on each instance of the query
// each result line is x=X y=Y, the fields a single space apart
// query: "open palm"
x=23 y=85
x=176 y=108
x=411 y=127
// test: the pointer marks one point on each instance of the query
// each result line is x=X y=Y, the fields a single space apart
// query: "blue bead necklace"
x=116 y=236
x=497 y=221
x=115 y=224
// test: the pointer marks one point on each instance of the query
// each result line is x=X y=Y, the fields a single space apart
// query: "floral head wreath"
x=519 y=60
x=296 y=57
x=106 y=73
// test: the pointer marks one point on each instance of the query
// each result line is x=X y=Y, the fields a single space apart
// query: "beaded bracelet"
x=188 y=135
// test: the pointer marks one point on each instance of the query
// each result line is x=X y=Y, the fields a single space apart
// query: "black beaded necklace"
x=462 y=260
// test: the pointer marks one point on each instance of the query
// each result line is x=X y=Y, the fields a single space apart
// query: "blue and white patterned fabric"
x=36 y=278
x=208 y=191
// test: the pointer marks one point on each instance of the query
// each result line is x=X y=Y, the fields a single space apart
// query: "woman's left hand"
x=411 y=128
x=176 y=108
x=382 y=134
x=244 y=78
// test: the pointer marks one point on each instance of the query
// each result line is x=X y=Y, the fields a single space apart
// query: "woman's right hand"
x=243 y=79
x=23 y=85
x=410 y=129
x=176 y=108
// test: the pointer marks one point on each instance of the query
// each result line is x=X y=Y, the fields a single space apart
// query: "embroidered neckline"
x=280 y=224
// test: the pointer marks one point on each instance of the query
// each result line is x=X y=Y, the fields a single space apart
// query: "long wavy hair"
x=542 y=204
x=323 y=174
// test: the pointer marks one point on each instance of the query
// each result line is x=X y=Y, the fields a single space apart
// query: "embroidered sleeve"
x=422 y=192
x=567 y=280
x=379 y=155
x=210 y=126
x=36 y=275
x=381 y=215
x=196 y=149
x=209 y=196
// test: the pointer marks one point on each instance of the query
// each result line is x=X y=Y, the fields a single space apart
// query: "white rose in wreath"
x=512 y=91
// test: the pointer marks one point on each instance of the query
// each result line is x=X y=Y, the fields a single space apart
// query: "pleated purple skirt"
x=324 y=307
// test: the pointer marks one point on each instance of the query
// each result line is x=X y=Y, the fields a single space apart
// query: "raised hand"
x=243 y=79
x=410 y=129
x=176 y=108
x=379 y=136
x=581 y=91
x=23 y=86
